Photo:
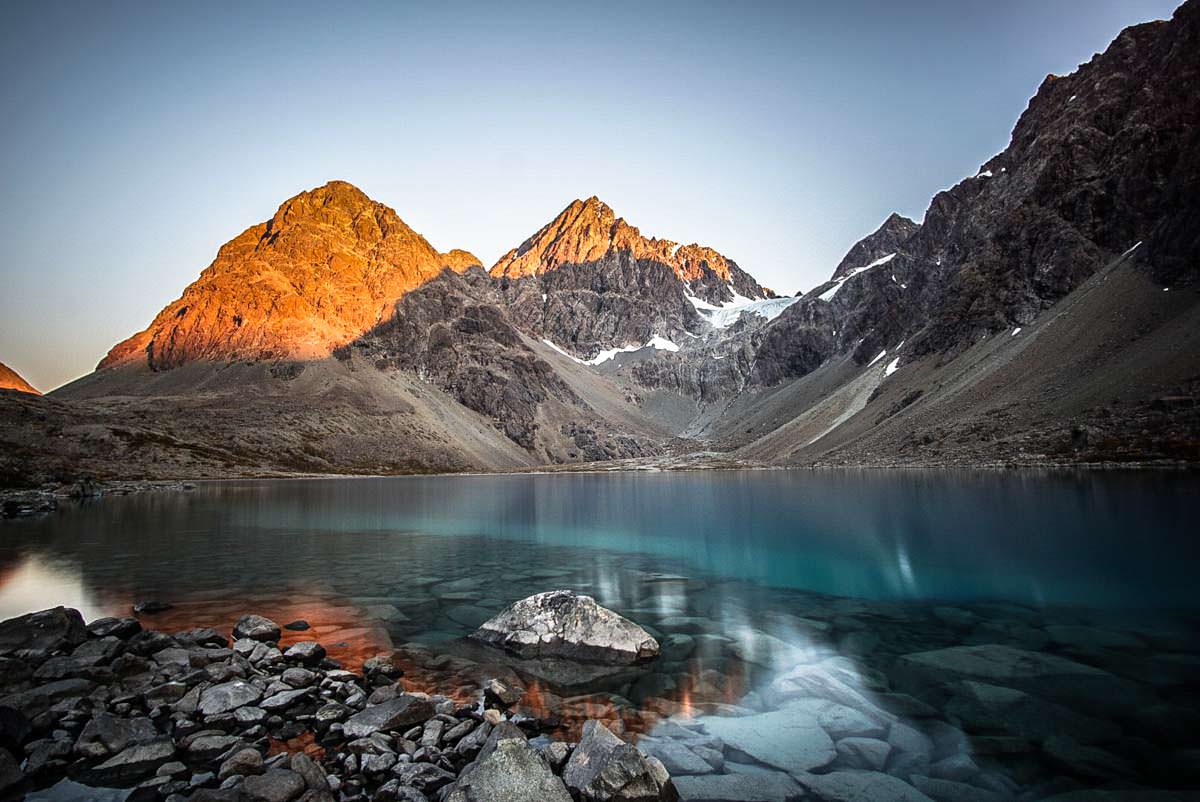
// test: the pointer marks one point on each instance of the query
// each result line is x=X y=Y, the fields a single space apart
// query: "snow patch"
x=1015 y=332
x=832 y=291
x=984 y=174
x=1072 y=98
x=892 y=367
x=543 y=297
x=1134 y=248
x=661 y=344
x=878 y=357
x=561 y=351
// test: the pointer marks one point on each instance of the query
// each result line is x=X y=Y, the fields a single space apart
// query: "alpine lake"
x=969 y=635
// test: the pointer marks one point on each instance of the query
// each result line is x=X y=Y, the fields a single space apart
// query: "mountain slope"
x=327 y=267
x=11 y=380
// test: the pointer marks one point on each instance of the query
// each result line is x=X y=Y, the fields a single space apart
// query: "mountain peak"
x=888 y=238
x=588 y=231
x=329 y=264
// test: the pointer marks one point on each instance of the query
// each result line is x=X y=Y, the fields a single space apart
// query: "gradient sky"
x=137 y=138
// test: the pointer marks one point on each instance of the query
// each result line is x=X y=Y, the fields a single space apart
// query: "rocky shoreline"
x=200 y=716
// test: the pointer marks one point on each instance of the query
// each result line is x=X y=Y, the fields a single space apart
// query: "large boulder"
x=603 y=768
x=511 y=771
x=227 y=697
x=256 y=627
x=56 y=629
x=565 y=624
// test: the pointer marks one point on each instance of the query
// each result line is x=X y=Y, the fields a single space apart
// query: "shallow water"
x=745 y=575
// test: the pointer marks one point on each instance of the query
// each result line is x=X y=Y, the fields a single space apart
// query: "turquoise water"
x=1116 y=540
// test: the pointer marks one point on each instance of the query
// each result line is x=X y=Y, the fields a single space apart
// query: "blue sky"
x=137 y=138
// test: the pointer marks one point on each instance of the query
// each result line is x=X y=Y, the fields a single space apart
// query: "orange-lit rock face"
x=326 y=268
x=11 y=380
x=588 y=230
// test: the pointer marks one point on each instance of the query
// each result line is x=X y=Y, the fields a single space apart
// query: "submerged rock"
x=562 y=623
x=791 y=740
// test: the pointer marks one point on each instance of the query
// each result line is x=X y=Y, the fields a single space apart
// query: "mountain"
x=1044 y=311
x=11 y=380
x=328 y=266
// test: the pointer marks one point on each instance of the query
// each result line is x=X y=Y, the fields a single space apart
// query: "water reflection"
x=35 y=582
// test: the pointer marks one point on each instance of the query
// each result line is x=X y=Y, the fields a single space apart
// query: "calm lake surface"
x=742 y=575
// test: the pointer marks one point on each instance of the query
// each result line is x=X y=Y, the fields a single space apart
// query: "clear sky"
x=137 y=138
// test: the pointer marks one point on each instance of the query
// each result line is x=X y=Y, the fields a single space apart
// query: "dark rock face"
x=1095 y=166
x=561 y=623
x=48 y=631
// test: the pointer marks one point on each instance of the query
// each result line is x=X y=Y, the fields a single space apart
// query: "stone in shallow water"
x=859 y=786
x=991 y=708
x=863 y=753
x=256 y=627
x=562 y=623
x=676 y=756
x=1037 y=673
x=761 y=787
x=785 y=739
x=952 y=791
x=308 y=652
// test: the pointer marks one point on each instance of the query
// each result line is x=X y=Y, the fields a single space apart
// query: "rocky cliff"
x=11 y=380
x=327 y=267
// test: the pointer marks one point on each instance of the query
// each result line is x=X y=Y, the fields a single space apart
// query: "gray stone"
x=789 y=740
x=276 y=785
x=308 y=652
x=227 y=696
x=676 y=756
x=912 y=751
x=132 y=763
x=283 y=700
x=403 y=711
x=603 y=767
x=859 y=786
x=299 y=677
x=242 y=762
x=952 y=791
x=256 y=627
x=562 y=623
x=512 y=772
x=870 y=754
x=761 y=787
x=210 y=747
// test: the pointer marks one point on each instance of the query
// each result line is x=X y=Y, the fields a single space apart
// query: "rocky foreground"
x=200 y=716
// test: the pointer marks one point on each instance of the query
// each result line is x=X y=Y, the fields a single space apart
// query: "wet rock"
x=123 y=628
x=275 y=785
x=870 y=754
x=676 y=757
x=1088 y=762
x=562 y=623
x=307 y=652
x=210 y=747
x=403 y=711
x=603 y=767
x=299 y=625
x=228 y=696
x=793 y=741
x=131 y=764
x=991 y=708
x=1044 y=675
x=283 y=700
x=256 y=627
x=512 y=772
x=151 y=607
x=758 y=787
x=952 y=791
x=859 y=786
x=56 y=629
x=502 y=693
x=106 y=734
x=912 y=751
